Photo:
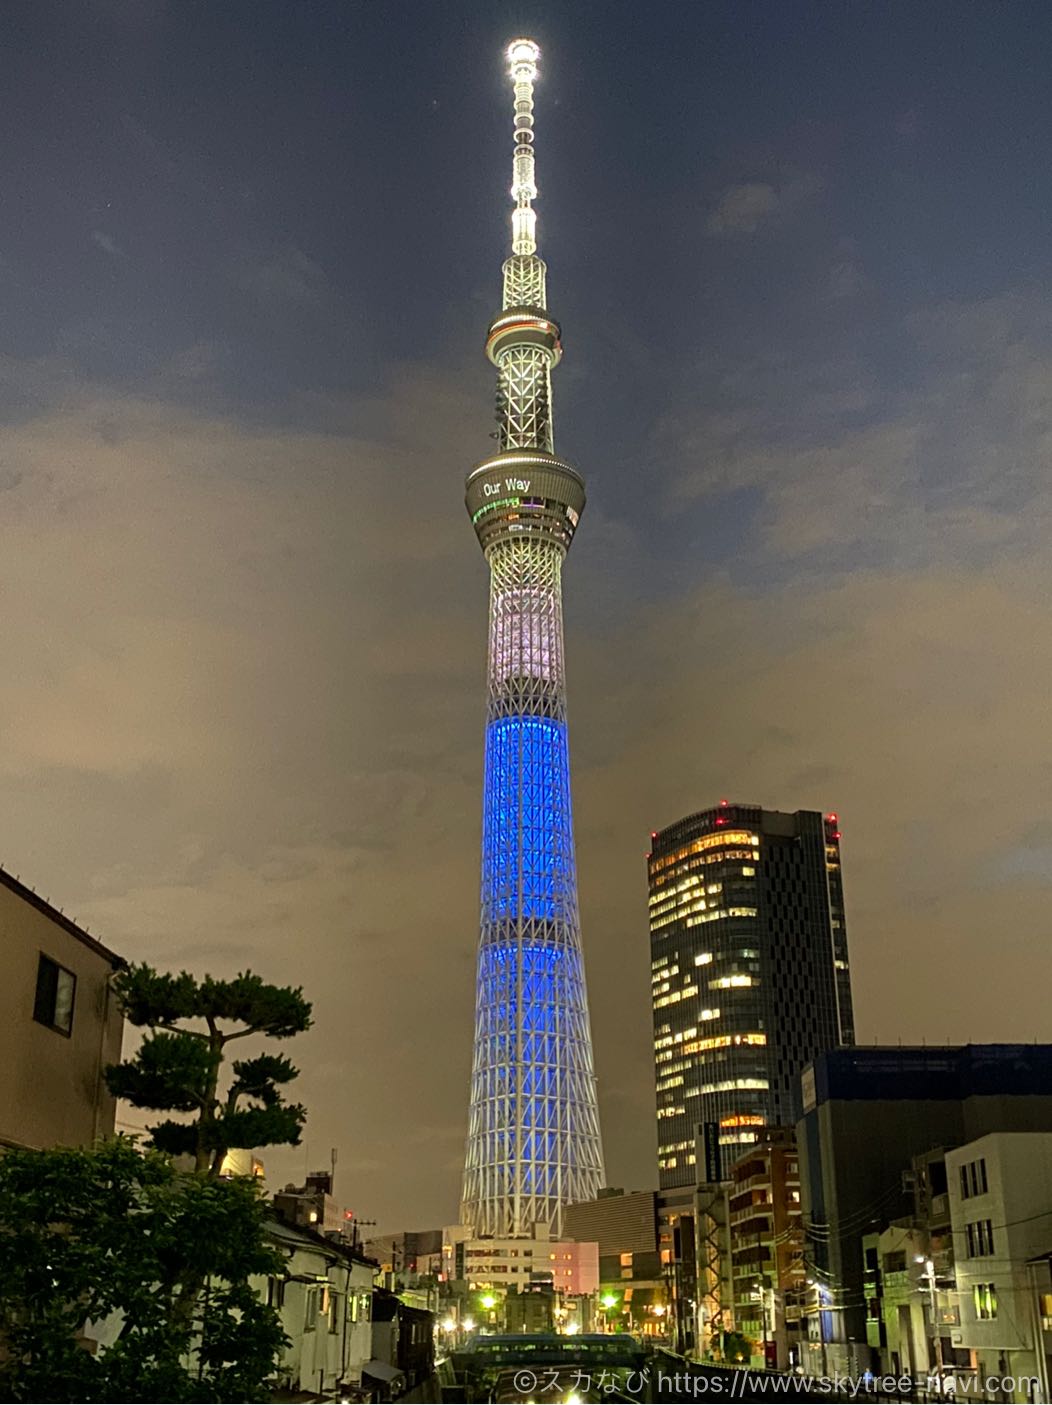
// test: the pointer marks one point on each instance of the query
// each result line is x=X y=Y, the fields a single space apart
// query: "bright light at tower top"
x=522 y=55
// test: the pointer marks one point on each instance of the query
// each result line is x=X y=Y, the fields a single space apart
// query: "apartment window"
x=334 y=1315
x=310 y=1310
x=56 y=989
x=980 y=1237
x=973 y=1178
x=275 y=1292
x=985 y=1299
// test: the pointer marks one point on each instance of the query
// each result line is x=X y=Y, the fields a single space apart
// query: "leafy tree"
x=112 y=1236
x=736 y=1347
x=178 y=1065
x=120 y=1245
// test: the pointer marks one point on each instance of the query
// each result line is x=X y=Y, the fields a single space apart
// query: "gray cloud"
x=285 y=276
x=745 y=208
x=107 y=243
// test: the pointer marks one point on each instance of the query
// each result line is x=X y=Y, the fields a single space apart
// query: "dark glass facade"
x=750 y=973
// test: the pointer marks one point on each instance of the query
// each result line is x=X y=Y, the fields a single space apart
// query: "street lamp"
x=609 y=1302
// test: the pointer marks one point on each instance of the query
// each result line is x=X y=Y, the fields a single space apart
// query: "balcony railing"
x=763 y=1209
x=761 y=1178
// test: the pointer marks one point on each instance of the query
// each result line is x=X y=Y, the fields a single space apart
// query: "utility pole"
x=929 y=1273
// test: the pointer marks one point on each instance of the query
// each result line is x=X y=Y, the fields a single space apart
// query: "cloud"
x=283 y=277
x=907 y=124
x=107 y=243
x=745 y=208
x=847 y=279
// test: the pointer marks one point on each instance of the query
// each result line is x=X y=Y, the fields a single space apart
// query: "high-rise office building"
x=533 y=1134
x=750 y=975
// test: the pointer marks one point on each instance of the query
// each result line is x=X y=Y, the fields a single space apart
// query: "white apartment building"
x=1000 y=1189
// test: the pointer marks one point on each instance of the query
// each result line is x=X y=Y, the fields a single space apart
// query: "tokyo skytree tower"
x=533 y=1135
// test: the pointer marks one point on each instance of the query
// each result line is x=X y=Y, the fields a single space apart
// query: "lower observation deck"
x=524 y=492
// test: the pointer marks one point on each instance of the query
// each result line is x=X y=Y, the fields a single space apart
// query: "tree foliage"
x=736 y=1347
x=178 y=1065
x=104 y=1244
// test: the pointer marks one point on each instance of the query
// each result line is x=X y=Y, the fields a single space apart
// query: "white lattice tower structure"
x=533 y=1137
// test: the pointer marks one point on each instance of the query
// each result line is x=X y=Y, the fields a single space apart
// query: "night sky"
x=248 y=252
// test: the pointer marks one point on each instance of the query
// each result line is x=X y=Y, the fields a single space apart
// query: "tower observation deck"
x=533 y=1135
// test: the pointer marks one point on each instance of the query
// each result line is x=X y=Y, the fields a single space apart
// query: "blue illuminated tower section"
x=533 y=1136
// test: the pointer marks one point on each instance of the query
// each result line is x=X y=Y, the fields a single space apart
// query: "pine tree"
x=179 y=1064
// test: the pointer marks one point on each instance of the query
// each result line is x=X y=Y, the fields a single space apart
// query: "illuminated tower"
x=533 y=1135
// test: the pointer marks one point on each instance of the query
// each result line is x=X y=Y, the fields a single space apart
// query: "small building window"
x=56 y=989
x=984 y=1299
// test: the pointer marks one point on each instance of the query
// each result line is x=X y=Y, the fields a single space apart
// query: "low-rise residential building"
x=60 y=1025
x=1000 y=1191
x=324 y=1297
x=314 y=1206
x=910 y=1290
x=897 y=1286
x=403 y=1359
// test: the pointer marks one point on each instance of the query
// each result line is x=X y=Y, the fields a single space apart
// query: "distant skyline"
x=248 y=255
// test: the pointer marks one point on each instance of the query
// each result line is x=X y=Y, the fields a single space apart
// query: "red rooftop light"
x=724 y=802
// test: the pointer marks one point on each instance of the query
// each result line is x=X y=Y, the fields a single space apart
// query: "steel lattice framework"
x=533 y=1137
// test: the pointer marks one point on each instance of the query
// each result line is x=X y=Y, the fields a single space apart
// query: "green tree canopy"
x=736 y=1347
x=178 y=1065
x=105 y=1242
